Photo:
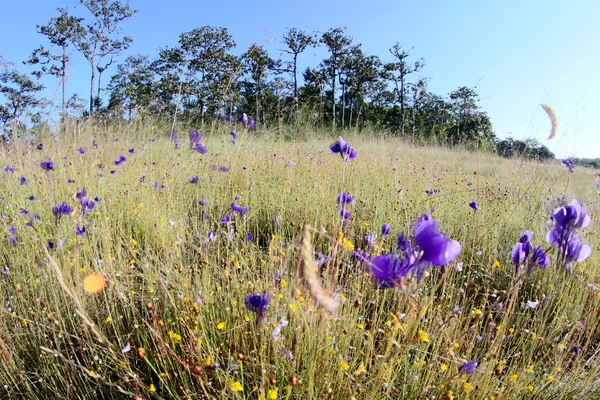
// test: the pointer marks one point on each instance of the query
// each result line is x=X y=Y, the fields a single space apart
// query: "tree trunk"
x=63 y=78
x=343 y=102
x=296 y=84
x=100 y=71
x=402 y=106
x=93 y=78
x=333 y=100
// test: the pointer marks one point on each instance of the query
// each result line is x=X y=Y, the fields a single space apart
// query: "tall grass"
x=172 y=321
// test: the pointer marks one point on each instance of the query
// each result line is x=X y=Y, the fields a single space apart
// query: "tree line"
x=200 y=80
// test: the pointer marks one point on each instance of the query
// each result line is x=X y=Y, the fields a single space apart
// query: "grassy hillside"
x=172 y=321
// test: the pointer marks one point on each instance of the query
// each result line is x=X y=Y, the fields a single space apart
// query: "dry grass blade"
x=553 y=120
x=310 y=273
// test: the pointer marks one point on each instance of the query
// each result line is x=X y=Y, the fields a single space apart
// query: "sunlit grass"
x=171 y=322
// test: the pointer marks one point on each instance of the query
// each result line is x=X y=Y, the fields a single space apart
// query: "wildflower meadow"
x=142 y=261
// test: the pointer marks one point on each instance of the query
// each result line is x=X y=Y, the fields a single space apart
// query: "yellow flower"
x=294 y=307
x=514 y=377
x=423 y=336
x=246 y=318
x=283 y=283
x=272 y=394
x=108 y=319
x=221 y=326
x=360 y=326
x=444 y=367
x=468 y=387
x=236 y=386
x=550 y=378
x=477 y=312
x=207 y=362
x=530 y=388
x=344 y=365
x=175 y=336
x=348 y=244
x=152 y=388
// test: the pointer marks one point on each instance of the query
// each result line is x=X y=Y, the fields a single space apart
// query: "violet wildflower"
x=390 y=269
x=203 y=202
x=239 y=209
x=195 y=179
x=80 y=231
x=474 y=205
x=81 y=150
x=436 y=248
x=344 y=148
x=370 y=239
x=469 y=367
x=345 y=214
x=61 y=209
x=251 y=123
x=131 y=150
x=200 y=148
x=257 y=303
x=194 y=138
x=47 y=165
x=226 y=219
x=94 y=144
x=223 y=168
x=243 y=119
x=385 y=229
x=345 y=198
x=249 y=237
x=23 y=180
x=569 y=162
x=287 y=354
x=567 y=220
x=234 y=134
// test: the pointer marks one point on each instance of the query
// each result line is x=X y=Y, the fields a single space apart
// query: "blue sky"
x=517 y=53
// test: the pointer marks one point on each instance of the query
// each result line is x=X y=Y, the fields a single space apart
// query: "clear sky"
x=517 y=53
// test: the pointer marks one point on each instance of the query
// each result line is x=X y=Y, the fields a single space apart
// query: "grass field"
x=172 y=320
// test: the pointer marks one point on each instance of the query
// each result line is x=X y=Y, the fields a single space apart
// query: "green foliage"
x=530 y=149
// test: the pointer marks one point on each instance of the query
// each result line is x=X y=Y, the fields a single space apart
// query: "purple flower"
x=345 y=198
x=469 y=184
x=9 y=169
x=390 y=269
x=194 y=138
x=345 y=149
x=195 y=179
x=50 y=244
x=81 y=194
x=567 y=220
x=203 y=202
x=437 y=248
x=12 y=228
x=31 y=198
x=385 y=229
x=569 y=163
x=23 y=180
x=239 y=209
x=469 y=367
x=370 y=239
x=226 y=219
x=223 y=168
x=249 y=237
x=12 y=240
x=94 y=144
x=243 y=119
x=80 y=231
x=287 y=354
x=257 y=303
x=81 y=150
x=200 y=148
x=474 y=205
x=234 y=134
x=131 y=150
x=251 y=123
x=345 y=214
x=24 y=211
x=61 y=209
x=47 y=165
